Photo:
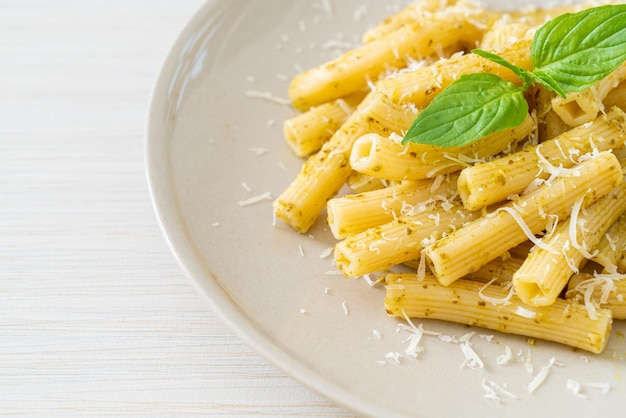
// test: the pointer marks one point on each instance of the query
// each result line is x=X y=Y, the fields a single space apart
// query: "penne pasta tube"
x=307 y=132
x=379 y=156
x=422 y=85
x=397 y=241
x=470 y=247
x=414 y=12
x=611 y=251
x=351 y=214
x=504 y=33
x=581 y=107
x=353 y=70
x=495 y=307
x=521 y=251
x=551 y=126
x=616 y=97
x=325 y=172
x=538 y=16
x=360 y=183
x=606 y=290
x=486 y=183
x=545 y=272
x=499 y=270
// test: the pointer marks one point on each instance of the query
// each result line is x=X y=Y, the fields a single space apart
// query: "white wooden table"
x=95 y=316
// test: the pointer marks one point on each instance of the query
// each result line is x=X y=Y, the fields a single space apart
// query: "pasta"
x=582 y=107
x=397 y=241
x=545 y=272
x=611 y=251
x=411 y=14
x=493 y=307
x=355 y=213
x=468 y=248
x=324 y=173
x=492 y=233
x=379 y=156
x=307 y=132
x=416 y=40
x=606 y=290
x=487 y=183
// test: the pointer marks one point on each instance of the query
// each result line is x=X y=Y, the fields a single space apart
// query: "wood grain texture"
x=95 y=316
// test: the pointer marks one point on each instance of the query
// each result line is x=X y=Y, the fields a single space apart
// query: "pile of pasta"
x=523 y=231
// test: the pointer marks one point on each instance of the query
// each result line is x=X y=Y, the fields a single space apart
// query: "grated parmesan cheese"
x=541 y=376
x=266 y=95
x=529 y=234
x=505 y=358
x=258 y=150
x=493 y=390
x=327 y=252
x=256 y=199
x=472 y=360
x=497 y=301
x=575 y=387
x=573 y=227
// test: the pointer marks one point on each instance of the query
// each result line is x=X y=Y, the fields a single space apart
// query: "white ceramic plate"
x=211 y=146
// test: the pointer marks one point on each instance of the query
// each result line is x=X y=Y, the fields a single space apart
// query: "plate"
x=216 y=157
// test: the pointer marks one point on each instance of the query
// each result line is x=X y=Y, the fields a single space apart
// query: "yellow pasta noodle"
x=360 y=183
x=616 y=97
x=494 y=307
x=486 y=183
x=581 y=107
x=353 y=70
x=606 y=290
x=495 y=230
x=355 y=213
x=611 y=251
x=468 y=248
x=545 y=272
x=324 y=173
x=499 y=270
x=503 y=33
x=414 y=12
x=379 y=156
x=397 y=241
x=422 y=85
x=307 y=132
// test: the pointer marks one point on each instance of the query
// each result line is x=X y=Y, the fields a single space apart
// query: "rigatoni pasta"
x=491 y=232
x=465 y=250
x=487 y=183
x=545 y=272
x=325 y=172
x=307 y=132
x=354 y=213
x=416 y=40
x=494 y=307
x=379 y=156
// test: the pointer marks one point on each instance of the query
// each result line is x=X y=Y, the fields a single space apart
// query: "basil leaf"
x=471 y=108
x=576 y=50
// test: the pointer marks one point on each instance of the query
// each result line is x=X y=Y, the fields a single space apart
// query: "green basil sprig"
x=568 y=54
